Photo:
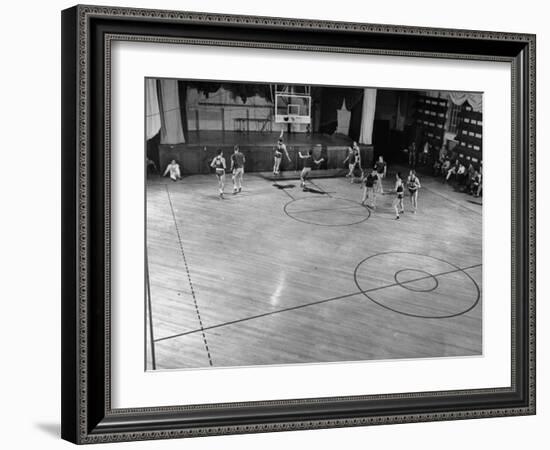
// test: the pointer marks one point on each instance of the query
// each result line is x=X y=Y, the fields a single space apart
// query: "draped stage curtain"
x=401 y=114
x=182 y=91
x=171 y=130
x=367 y=118
x=343 y=119
x=152 y=111
x=474 y=99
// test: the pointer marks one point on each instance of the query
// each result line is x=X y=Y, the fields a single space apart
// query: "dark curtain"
x=330 y=100
x=153 y=149
x=241 y=90
x=328 y=103
x=161 y=109
x=182 y=94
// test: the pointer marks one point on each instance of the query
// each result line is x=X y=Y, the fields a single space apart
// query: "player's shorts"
x=220 y=172
x=238 y=171
x=306 y=170
x=399 y=195
x=278 y=155
x=412 y=191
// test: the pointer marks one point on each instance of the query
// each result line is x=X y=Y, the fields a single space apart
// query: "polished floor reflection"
x=279 y=275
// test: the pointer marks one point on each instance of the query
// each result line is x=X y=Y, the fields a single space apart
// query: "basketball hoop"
x=292 y=108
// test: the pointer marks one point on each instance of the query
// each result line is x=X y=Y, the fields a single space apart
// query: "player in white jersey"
x=278 y=154
x=218 y=163
x=174 y=170
x=413 y=185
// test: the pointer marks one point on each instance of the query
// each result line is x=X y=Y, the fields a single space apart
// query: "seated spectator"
x=445 y=167
x=437 y=167
x=461 y=174
x=453 y=170
x=470 y=175
x=151 y=166
x=443 y=152
x=475 y=188
x=174 y=170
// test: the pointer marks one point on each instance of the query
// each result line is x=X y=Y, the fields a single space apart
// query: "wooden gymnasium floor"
x=275 y=275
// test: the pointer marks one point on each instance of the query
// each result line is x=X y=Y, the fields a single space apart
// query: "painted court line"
x=319 y=302
x=150 y=313
x=326 y=209
x=189 y=278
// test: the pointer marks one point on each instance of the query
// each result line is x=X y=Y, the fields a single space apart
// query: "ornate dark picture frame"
x=87 y=35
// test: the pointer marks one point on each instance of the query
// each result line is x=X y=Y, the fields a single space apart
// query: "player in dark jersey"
x=412 y=154
x=413 y=184
x=237 y=167
x=354 y=161
x=398 y=201
x=309 y=160
x=369 y=191
x=218 y=163
x=380 y=167
x=278 y=154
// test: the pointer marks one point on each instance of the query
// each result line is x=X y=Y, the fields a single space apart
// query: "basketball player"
x=354 y=158
x=308 y=165
x=237 y=167
x=218 y=163
x=369 y=193
x=398 y=202
x=413 y=184
x=412 y=154
x=174 y=169
x=278 y=154
x=381 y=168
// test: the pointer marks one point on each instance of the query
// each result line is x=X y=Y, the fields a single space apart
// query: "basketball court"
x=278 y=275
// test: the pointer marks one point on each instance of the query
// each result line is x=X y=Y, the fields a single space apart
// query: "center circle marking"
x=325 y=210
x=418 y=276
x=453 y=269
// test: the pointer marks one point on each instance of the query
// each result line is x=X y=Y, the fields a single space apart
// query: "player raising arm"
x=354 y=160
x=278 y=154
x=369 y=192
x=381 y=168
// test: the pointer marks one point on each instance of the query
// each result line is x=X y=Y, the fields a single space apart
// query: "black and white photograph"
x=275 y=225
x=301 y=224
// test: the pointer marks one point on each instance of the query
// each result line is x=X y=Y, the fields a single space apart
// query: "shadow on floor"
x=53 y=429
